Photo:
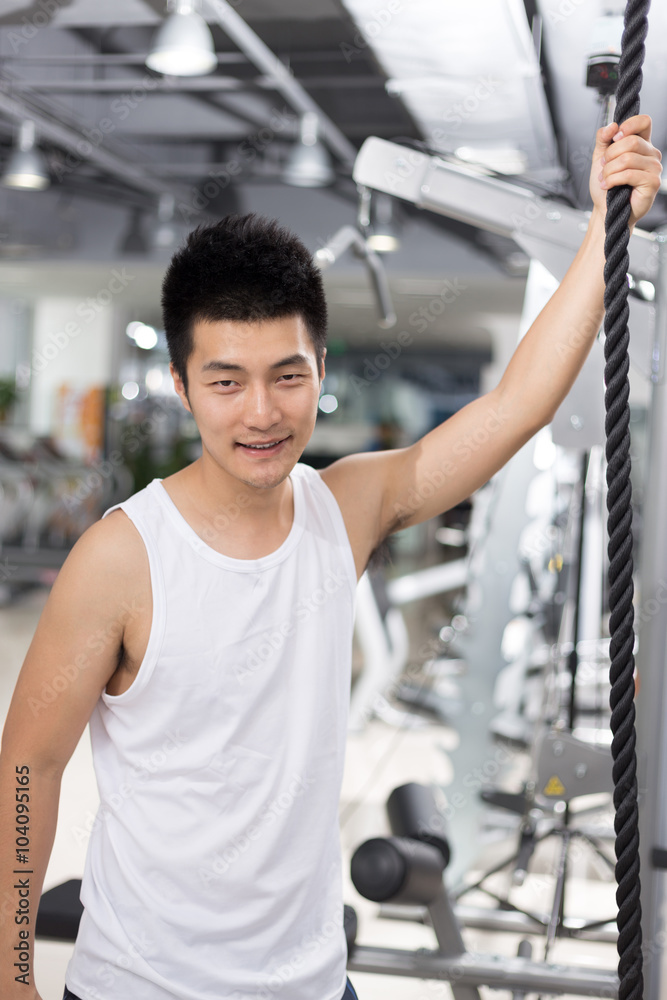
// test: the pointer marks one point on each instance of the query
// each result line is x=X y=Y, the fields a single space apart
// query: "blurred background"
x=107 y=163
x=122 y=127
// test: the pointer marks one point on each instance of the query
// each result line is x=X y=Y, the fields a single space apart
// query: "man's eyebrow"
x=229 y=366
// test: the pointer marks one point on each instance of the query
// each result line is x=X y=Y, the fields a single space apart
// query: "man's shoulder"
x=111 y=545
x=365 y=470
x=360 y=482
x=106 y=571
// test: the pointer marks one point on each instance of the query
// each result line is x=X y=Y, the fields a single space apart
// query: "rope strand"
x=619 y=526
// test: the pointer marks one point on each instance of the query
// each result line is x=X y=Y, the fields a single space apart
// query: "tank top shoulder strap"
x=139 y=503
x=318 y=494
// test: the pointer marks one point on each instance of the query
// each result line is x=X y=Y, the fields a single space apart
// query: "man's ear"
x=322 y=371
x=180 y=388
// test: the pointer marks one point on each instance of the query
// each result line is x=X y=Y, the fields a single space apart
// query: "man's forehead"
x=242 y=330
x=249 y=344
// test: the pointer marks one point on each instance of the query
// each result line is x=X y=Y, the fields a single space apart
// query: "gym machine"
x=406 y=869
x=551 y=233
x=47 y=500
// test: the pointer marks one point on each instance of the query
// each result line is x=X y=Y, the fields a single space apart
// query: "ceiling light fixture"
x=165 y=235
x=309 y=163
x=349 y=237
x=183 y=45
x=383 y=234
x=134 y=239
x=26 y=168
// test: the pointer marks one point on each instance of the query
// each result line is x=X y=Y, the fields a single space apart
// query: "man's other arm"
x=73 y=654
x=410 y=485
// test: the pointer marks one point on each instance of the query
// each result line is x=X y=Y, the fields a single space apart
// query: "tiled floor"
x=378 y=759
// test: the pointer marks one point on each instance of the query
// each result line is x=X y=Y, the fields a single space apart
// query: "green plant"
x=8 y=394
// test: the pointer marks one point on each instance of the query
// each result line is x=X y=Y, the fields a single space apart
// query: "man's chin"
x=265 y=482
x=266 y=478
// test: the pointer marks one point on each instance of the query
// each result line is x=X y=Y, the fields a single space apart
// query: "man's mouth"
x=263 y=447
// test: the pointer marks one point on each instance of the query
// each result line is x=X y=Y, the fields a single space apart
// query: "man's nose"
x=261 y=409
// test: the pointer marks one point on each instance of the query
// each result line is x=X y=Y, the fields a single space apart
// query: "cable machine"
x=551 y=233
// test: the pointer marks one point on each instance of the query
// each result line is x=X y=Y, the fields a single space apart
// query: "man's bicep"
x=360 y=482
x=452 y=461
x=74 y=652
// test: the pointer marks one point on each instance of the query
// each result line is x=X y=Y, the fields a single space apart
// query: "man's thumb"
x=603 y=138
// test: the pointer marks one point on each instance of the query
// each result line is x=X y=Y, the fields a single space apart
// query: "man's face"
x=252 y=384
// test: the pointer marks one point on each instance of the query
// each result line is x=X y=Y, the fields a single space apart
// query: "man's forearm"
x=28 y=817
x=551 y=354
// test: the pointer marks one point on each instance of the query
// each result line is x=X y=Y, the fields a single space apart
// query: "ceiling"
x=488 y=74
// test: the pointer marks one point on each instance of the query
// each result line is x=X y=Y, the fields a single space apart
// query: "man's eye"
x=293 y=375
x=226 y=382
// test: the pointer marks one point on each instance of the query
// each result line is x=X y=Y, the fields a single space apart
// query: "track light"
x=349 y=237
x=25 y=167
x=134 y=239
x=309 y=163
x=183 y=45
x=165 y=234
x=383 y=235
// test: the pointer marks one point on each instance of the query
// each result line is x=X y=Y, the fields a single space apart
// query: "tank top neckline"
x=228 y=562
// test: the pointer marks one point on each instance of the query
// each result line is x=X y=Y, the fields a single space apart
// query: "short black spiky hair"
x=244 y=268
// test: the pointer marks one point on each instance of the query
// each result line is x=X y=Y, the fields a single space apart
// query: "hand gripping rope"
x=619 y=526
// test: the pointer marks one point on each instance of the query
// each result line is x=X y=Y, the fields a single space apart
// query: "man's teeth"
x=270 y=445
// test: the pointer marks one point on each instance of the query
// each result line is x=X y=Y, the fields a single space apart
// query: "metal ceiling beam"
x=196 y=84
x=358 y=129
x=139 y=58
x=217 y=101
x=285 y=83
x=109 y=59
x=73 y=140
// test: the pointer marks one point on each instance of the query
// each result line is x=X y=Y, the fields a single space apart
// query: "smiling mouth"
x=262 y=447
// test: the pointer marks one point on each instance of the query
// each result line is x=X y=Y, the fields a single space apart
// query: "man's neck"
x=206 y=490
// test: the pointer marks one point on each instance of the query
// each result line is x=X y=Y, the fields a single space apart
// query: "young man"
x=204 y=629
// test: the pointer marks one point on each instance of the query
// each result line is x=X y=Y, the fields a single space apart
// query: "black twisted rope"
x=619 y=526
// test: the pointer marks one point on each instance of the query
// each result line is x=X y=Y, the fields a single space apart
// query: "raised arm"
x=74 y=652
x=411 y=485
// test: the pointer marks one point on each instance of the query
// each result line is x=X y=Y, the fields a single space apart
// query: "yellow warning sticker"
x=554 y=786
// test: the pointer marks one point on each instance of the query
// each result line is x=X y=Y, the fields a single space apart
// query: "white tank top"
x=213 y=871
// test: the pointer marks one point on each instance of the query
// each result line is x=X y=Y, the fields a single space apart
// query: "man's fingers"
x=603 y=138
x=636 y=125
x=637 y=179
x=631 y=144
x=608 y=137
x=624 y=154
x=619 y=162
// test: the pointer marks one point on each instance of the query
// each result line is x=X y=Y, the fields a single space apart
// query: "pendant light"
x=309 y=163
x=26 y=168
x=183 y=45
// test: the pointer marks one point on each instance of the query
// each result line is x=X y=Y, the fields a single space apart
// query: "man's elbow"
x=546 y=419
x=527 y=416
